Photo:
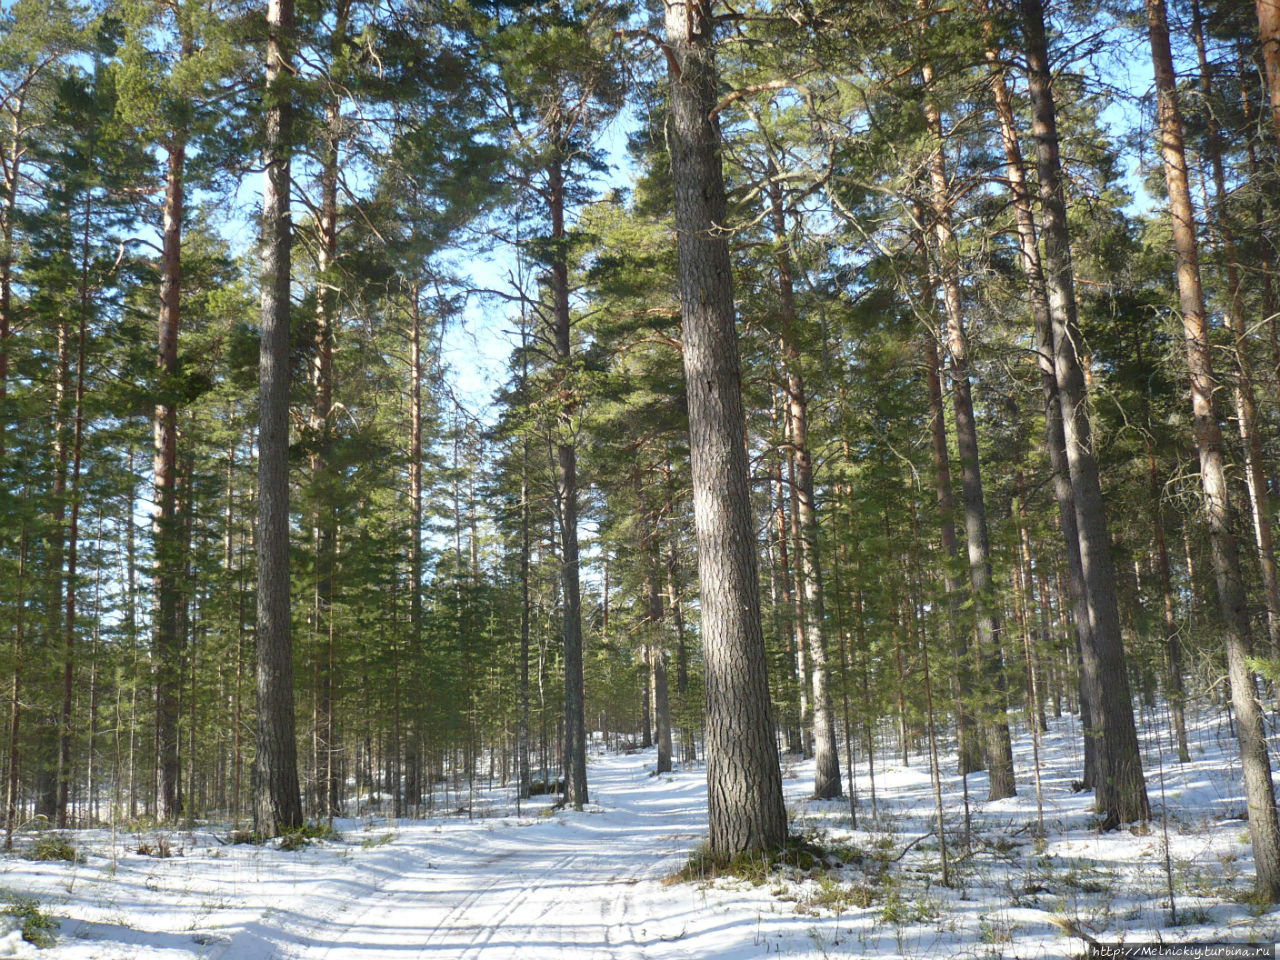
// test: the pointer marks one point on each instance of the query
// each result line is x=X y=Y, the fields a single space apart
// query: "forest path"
x=576 y=886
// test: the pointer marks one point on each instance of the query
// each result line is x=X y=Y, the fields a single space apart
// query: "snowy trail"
x=587 y=886
x=563 y=888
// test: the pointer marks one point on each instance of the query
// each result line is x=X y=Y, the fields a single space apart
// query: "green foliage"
x=307 y=834
x=38 y=928
x=53 y=846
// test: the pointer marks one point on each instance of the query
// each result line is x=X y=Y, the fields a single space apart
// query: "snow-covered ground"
x=588 y=886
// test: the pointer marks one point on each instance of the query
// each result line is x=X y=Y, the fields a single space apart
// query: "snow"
x=589 y=885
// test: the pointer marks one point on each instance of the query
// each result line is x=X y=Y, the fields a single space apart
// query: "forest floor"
x=589 y=886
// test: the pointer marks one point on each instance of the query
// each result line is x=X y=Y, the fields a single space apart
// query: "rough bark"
x=1120 y=789
x=165 y=524
x=1233 y=611
x=567 y=498
x=744 y=781
x=277 y=800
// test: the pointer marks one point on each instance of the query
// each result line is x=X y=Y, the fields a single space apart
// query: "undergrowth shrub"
x=54 y=846
x=37 y=926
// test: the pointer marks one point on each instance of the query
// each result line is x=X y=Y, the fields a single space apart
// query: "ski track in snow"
x=587 y=885
x=556 y=888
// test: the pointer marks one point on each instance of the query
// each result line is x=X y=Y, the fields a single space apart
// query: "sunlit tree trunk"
x=1256 y=766
x=277 y=801
x=567 y=499
x=826 y=782
x=994 y=724
x=744 y=781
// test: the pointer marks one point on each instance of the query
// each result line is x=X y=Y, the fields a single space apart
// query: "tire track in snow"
x=492 y=925
x=562 y=889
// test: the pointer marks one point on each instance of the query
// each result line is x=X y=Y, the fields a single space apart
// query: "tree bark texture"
x=165 y=524
x=277 y=801
x=1224 y=551
x=744 y=782
x=1120 y=789
x=575 y=723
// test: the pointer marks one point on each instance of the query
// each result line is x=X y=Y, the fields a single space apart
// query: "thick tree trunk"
x=994 y=723
x=1055 y=441
x=826 y=781
x=1259 y=793
x=1269 y=35
x=744 y=781
x=1121 y=790
x=277 y=801
x=567 y=498
x=165 y=523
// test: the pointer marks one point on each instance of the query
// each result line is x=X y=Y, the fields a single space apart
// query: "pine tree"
x=744 y=787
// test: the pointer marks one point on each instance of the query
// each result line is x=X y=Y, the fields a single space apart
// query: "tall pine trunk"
x=1259 y=793
x=826 y=778
x=744 y=781
x=277 y=801
x=69 y=595
x=1055 y=440
x=993 y=721
x=327 y=788
x=657 y=615
x=15 y=694
x=1243 y=386
x=575 y=724
x=165 y=526
x=1269 y=35
x=968 y=748
x=1120 y=789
